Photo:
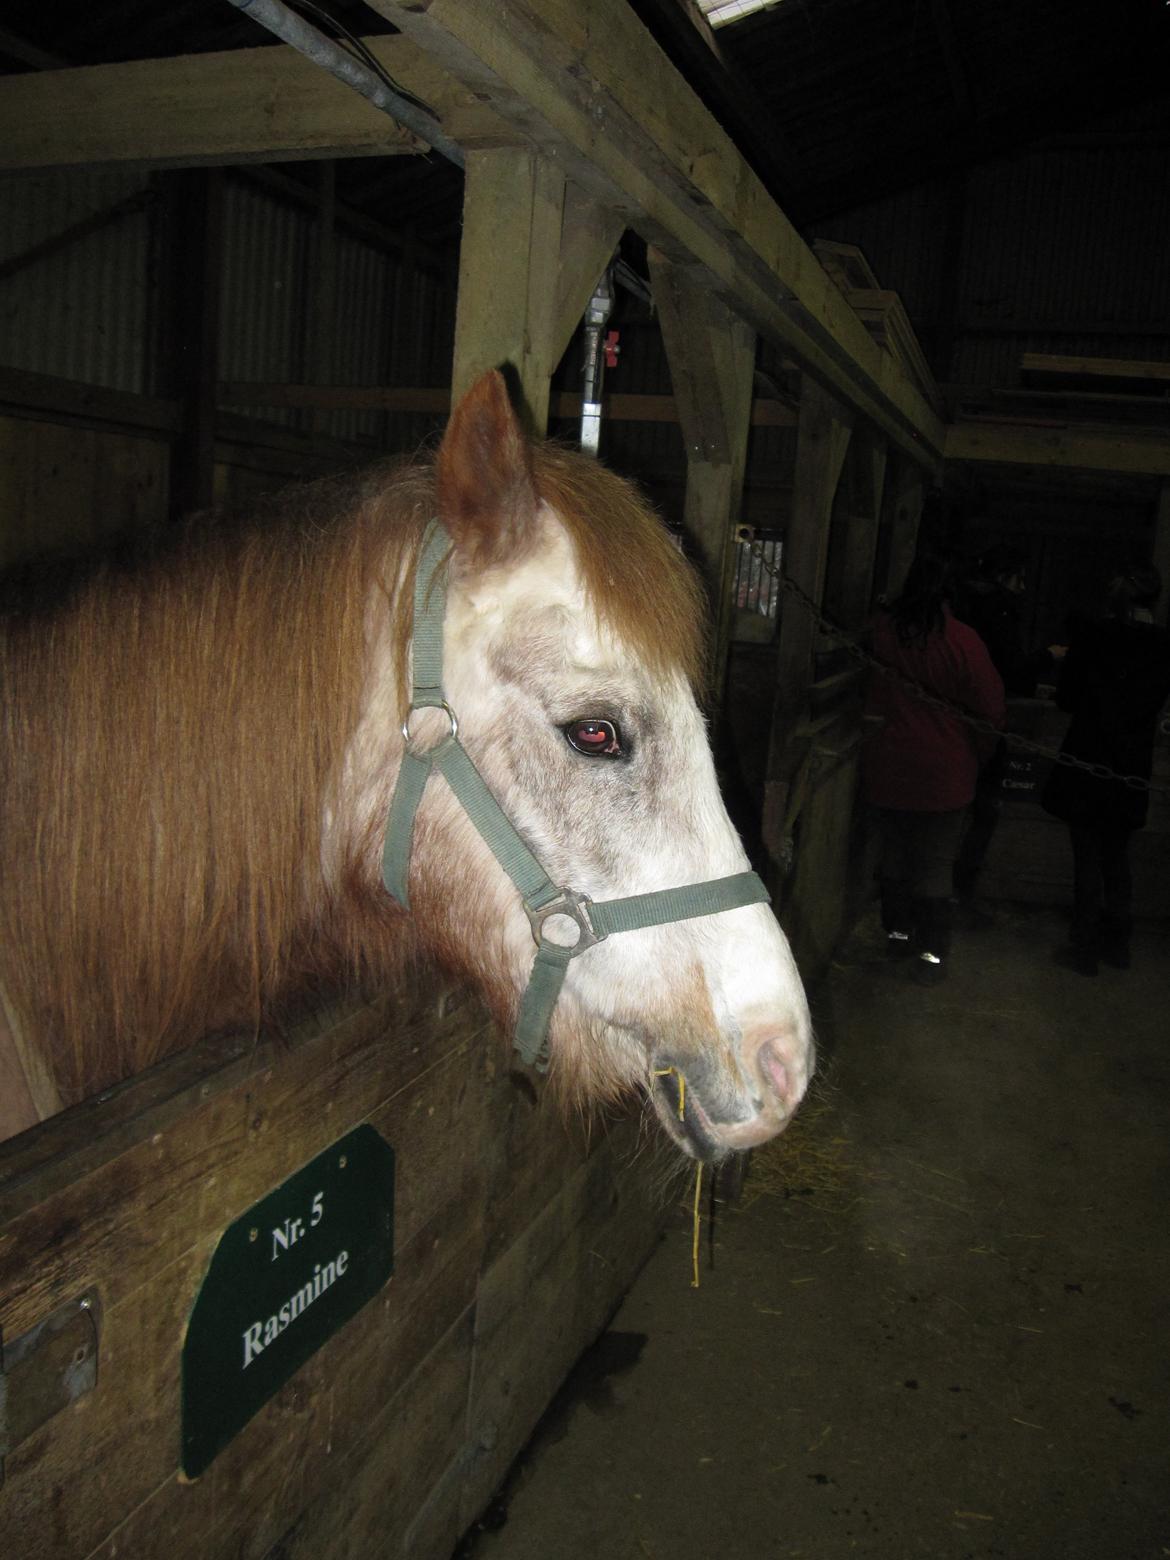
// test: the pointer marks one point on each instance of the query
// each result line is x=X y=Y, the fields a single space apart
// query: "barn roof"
x=834 y=103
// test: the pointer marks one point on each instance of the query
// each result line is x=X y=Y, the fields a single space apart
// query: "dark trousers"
x=1102 y=885
x=983 y=820
x=917 y=860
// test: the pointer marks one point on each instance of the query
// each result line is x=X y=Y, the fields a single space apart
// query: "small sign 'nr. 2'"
x=283 y=1278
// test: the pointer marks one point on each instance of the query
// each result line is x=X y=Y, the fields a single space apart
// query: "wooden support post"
x=823 y=434
x=849 y=594
x=197 y=248
x=531 y=254
x=909 y=496
x=712 y=357
x=1161 y=558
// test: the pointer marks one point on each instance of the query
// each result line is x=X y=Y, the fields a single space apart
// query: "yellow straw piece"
x=665 y=1072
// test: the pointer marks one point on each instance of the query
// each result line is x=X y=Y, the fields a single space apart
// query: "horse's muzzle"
x=711 y=1111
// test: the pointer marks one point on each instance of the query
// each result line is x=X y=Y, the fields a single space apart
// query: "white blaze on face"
x=718 y=997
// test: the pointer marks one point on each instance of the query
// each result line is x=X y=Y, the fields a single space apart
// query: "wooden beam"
x=586 y=85
x=532 y=251
x=712 y=357
x=74 y=233
x=848 y=592
x=1046 y=363
x=17 y=48
x=909 y=497
x=822 y=442
x=23 y=394
x=589 y=236
x=513 y=207
x=563 y=404
x=1122 y=449
x=599 y=94
x=248 y=105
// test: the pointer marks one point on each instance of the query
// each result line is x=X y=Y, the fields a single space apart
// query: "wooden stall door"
x=514 y=1238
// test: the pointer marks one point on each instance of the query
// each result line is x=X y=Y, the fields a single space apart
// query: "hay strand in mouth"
x=696 y=1215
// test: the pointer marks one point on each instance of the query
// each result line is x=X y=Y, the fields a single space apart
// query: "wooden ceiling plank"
x=1084 y=449
x=1094 y=367
x=591 y=85
x=585 y=85
x=248 y=105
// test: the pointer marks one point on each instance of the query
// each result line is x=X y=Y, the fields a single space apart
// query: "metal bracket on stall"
x=46 y=1369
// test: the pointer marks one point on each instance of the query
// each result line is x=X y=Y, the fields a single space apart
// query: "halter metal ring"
x=449 y=736
x=572 y=905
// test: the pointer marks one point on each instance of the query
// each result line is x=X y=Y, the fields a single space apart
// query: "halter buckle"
x=567 y=903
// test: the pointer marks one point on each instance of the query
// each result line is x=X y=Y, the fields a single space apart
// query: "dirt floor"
x=936 y=1323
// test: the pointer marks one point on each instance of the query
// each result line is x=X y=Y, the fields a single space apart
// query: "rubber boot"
x=897 y=918
x=932 y=925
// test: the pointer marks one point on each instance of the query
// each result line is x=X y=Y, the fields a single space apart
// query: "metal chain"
x=976 y=722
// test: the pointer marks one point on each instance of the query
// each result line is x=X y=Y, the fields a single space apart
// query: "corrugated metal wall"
x=79 y=312
x=85 y=311
x=1061 y=249
x=264 y=304
x=267 y=303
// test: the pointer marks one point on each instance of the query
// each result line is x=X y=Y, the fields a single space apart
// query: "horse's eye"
x=596 y=738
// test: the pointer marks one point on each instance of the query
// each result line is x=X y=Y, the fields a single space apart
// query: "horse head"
x=571 y=651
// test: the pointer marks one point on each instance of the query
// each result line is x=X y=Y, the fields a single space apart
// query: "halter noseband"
x=543 y=900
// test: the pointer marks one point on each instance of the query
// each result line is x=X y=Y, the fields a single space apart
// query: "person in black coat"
x=1113 y=682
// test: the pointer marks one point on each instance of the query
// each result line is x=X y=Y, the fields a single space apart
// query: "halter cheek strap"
x=544 y=901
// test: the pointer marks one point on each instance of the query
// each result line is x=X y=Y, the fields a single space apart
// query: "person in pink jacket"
x=921 y=764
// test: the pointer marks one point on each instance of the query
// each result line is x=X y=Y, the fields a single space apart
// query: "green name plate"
x=284 y=1277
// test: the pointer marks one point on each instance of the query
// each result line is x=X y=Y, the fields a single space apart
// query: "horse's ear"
x=483 y=476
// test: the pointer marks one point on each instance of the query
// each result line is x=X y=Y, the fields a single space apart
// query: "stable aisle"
x=936 y=1322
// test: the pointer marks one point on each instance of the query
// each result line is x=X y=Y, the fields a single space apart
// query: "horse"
x=203 y=745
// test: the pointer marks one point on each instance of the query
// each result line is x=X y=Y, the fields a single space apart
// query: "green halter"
x=542 y=898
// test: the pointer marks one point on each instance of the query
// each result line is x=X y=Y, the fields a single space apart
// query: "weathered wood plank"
x=248 y=105
x=129 y=1199
x=590 y=84
x=1062 y=443
x=564 y=404
x=822 y=442
x=586 y=85
x=26 y=394
x=143 y=1231
x=513 y=203
x=1048 y=363
x=712 y=356
x=547 y=1298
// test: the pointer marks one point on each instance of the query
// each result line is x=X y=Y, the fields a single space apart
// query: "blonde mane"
x=174 y=735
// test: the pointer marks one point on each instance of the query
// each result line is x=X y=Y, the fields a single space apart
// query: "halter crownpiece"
x=543 y=900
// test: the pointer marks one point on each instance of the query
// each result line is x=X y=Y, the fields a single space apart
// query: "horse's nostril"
x=774 y=1072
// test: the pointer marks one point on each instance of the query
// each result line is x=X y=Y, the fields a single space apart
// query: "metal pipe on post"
x=315 y=46
x=596 y=318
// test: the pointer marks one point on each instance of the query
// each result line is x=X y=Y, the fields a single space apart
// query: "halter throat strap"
x=553 y=911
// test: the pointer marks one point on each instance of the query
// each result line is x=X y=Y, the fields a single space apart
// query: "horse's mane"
x=635 y=575
x=174 y=731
